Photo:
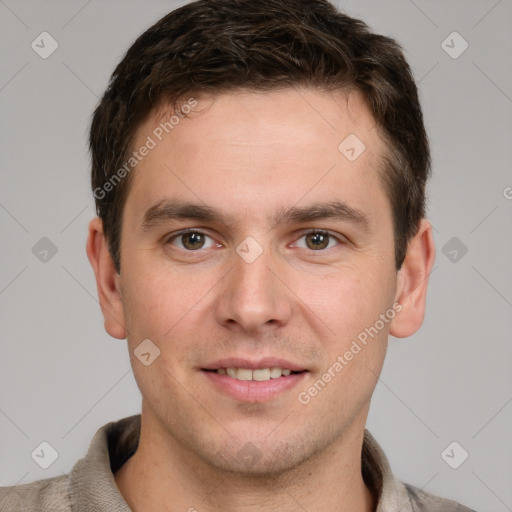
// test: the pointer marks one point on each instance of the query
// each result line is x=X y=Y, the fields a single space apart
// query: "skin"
x=249 y=155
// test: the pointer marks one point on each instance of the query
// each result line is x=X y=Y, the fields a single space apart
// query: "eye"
x=318 y=240
x=191 y=240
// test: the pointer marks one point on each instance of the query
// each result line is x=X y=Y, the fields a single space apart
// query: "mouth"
x=254 y=381
x=257 y=374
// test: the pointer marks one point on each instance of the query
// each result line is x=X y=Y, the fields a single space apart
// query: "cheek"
x=356 y=343
x=347 y=301
x=158 y=297
x=159 y=307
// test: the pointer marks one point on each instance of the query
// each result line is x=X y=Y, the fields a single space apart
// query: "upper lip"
x=266 y=362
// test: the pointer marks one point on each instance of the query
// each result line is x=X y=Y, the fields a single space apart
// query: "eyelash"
x=339 y=239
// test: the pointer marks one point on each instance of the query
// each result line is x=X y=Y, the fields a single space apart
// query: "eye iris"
x=192 y=240
x=318 y=240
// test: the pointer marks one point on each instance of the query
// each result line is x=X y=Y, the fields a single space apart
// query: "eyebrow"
x=170 y=209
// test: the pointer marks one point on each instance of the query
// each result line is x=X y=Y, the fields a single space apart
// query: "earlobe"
x=412 y=282
x=108 y=281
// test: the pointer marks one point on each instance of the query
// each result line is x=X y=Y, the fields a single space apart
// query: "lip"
x=252 y=391
x=266 y=362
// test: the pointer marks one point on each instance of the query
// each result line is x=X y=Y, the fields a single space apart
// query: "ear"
x=412 y=281
x=108 y=281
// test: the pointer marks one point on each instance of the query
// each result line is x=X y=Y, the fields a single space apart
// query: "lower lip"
x=254 y=391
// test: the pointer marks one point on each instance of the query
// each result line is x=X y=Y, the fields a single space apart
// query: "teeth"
x=260 y=375
x=244 y=374
x=275 y=373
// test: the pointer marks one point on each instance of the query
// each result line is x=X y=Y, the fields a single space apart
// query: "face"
x=253 y=246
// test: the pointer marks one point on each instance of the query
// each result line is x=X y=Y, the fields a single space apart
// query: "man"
x=259 y=172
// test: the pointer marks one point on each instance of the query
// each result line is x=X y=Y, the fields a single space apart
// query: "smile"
x=258 y=374
x=253 y=385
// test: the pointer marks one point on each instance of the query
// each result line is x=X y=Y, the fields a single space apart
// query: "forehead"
x=270 y=147
x=287 y=116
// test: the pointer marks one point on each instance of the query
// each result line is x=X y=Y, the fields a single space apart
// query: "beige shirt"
x=90 y=486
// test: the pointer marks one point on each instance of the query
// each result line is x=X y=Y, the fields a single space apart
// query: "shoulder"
x=422 y=501
x=49 y=494
x=90 y=481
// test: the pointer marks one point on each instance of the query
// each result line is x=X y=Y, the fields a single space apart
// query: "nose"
x=252 y=297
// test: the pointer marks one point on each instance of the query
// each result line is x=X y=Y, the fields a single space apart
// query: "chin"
x=257 y=461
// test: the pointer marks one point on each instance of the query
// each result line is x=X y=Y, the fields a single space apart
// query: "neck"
x=164 y=476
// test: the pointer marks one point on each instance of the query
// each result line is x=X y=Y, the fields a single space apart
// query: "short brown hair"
x=217 y=46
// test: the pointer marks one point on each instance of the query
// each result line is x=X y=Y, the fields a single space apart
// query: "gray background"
x=62 y=376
